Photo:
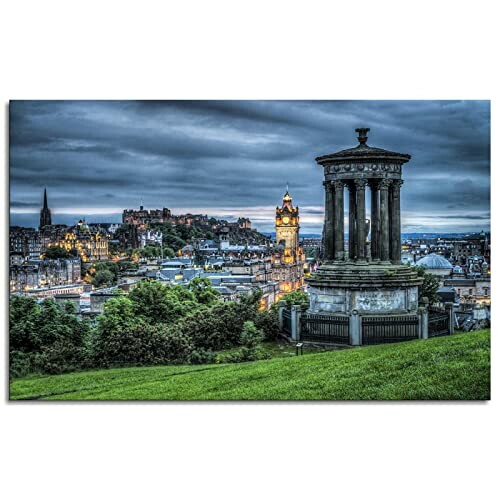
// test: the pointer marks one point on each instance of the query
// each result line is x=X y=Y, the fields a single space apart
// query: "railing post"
x=451 y=316
x=295 y=320
x=423 y=323
x=355 y=328
x=281 y=308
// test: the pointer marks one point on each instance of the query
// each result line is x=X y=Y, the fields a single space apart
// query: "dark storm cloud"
x=233 y=158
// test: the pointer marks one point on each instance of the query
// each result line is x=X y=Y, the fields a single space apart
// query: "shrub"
x=142 y=345
x=60 y=357
x=21 y=363
x=216 y=328
x=251 y=336
x=297 y=297
x=46 y=337
x=267 y=321
x=162 y=303
x=250 y=339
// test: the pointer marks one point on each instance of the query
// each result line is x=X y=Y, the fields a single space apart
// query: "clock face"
x=286 y=220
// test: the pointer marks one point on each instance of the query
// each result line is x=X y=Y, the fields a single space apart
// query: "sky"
x=234 y=158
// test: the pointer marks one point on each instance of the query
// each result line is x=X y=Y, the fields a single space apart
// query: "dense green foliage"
x=251 y=346
x=154 y=324
x=150 y=251
x=297 y=297
x=57 y=252
x=46 y=337
x=103 y=274
x=445 y=368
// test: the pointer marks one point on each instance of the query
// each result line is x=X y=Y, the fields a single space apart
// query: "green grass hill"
x=446 y=368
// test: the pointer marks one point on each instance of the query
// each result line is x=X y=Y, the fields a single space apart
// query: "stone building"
x=289 y=259
x=99 y=298
x=143 y=217
x=472 y=246
x=261 y=267
x=471 y=290
x=51 y=235
x=91 y=244
x=35 y=273
x=244 y=223
x=25 y=242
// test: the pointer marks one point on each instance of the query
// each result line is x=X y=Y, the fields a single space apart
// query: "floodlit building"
x=289 y=259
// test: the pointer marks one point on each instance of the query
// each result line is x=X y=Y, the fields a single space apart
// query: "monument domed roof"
x=363 y=152
x=434 y=261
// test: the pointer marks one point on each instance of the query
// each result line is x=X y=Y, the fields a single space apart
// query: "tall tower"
x=45 y=217
x=287 y=223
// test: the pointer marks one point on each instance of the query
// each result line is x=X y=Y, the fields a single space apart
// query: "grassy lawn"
x=445 y=368
x=283 y=349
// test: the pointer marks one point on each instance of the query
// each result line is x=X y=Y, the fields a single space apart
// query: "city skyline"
x=233 y=159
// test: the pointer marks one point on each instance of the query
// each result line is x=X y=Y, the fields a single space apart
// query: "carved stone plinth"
x=371 y=289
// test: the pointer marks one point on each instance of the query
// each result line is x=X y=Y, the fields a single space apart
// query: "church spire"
x=45 y=216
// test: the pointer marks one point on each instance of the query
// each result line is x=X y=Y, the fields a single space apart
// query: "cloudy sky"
x=234 y=158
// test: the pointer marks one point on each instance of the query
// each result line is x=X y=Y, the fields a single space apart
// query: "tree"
x=103 y=278
x=430 y=285
x=162 y=303
x=46 y=337
x=168 y=253
x=251 y=346
x=103 y=274
x=297 y=297
x=57 y=252
x=203 y=291
x=251 y=336
x=119 y=314
x=150 y=251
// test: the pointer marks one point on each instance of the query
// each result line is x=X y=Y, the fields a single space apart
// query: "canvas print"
x=249 y=250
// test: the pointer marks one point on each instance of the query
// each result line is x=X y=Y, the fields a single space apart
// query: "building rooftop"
x=434 y=261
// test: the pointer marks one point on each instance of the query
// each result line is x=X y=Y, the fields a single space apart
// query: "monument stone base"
x=340 y=288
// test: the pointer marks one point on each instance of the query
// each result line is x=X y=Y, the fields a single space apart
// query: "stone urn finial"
x=362 y=135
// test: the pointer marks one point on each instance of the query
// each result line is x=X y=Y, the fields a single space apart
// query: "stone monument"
x=364 y=274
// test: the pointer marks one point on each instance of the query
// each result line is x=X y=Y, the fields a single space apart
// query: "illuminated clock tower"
x=287 y=224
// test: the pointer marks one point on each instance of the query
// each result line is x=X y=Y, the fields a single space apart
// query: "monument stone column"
x=339 y=220
x=352 y=221
x=395 y=223
x=375 y=220
x=360 y=219
x=329 y=252
x=384 y=219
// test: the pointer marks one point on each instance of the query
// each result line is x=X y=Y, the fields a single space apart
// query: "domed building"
x=436 y=264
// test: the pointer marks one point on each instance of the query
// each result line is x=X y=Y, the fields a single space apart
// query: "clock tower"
x=287 y=224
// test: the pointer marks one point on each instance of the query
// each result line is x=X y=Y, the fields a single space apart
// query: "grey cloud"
x=223 y=154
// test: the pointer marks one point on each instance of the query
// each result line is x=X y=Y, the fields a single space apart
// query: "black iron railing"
x=439 y=322
x=387 y=329
x=324 y=328
x=287 y=321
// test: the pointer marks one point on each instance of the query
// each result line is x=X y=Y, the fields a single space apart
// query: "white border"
x=228 y=49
